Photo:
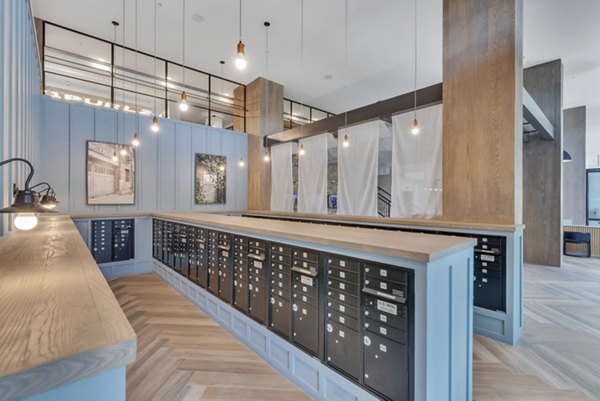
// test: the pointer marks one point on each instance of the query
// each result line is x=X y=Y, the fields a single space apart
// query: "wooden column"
x=482 y=116
x=264 y=116
x=542 y=170
x=574 y=175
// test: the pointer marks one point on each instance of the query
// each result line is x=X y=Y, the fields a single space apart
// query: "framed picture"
x=110 y=174
x=211 y=179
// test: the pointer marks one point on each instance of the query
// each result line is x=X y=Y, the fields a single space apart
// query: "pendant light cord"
x=346 y=59
x=302 y=59
x=123 y=73
x=155 y=29
x=183 y=42
x=137 y=112
x=240 y=20
x=416 y=16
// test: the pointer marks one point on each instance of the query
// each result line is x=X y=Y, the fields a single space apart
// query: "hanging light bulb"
x=25 y=221
x=240 y=61
x=115 y=158
x=154 y=126
x=136 y=140
x=123 y=150
x=415 y=127
x=242 y=163
x=183 y=105
x=346 y=141
x=301 y=151
x=267 y=158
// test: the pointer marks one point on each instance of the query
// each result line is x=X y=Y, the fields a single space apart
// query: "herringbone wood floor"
x=184 y=356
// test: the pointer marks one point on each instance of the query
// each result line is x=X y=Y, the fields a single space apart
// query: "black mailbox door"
x=225 y=285
x=240 y=299
x=386 y=367
x=213 y=280
x=306 y=326
x=343 y=349
x=258 y=302
x=281 y=316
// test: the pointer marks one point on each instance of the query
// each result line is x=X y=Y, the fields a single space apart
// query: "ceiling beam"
x=384 y=109
x=536 y=117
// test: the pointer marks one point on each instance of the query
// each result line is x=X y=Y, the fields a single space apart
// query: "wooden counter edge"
x=40 y=379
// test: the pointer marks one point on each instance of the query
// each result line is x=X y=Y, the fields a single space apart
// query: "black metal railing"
x=384 y=202
x=296 y=113
x=81 y=67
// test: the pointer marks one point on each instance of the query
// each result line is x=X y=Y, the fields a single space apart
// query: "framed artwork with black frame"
x=210 y=179
x=110 y=177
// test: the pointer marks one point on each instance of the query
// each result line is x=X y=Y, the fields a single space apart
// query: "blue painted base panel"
x=307 y=372
x=106 y=386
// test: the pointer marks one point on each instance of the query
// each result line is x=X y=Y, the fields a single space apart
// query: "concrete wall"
x=574 y=129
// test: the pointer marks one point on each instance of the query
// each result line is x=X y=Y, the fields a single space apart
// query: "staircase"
x=384 y=202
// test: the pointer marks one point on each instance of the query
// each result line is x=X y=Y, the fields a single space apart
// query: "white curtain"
x=417 y=165
x=281 y=178
x=357 y=169
x=312 y=175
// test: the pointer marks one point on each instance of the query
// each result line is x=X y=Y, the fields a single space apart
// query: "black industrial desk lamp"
x=27 y=203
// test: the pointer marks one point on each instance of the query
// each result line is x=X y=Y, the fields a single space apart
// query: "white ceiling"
x=380 y=42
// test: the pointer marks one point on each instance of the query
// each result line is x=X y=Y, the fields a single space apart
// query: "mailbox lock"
x=367 y=341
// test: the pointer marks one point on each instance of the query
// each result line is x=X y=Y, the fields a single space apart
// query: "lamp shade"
x=26 y=201
x=567 y=157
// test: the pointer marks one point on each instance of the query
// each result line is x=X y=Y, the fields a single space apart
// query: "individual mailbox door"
x=343 y=349
x=225 y=284
x=306 y=326
x=386 y=367
x=281 y=316
x=240 y=300
x=258 y=302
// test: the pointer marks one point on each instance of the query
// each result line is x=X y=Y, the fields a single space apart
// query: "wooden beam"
x=380 y=110
x=482 y=117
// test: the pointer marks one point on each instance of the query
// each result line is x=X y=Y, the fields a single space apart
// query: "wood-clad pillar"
x=542 y=170
x=264 y=116
x=574 y=175
x=482 y=123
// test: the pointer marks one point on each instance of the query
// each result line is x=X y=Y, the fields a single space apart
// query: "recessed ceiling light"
x=198 y=18
x=328 y=76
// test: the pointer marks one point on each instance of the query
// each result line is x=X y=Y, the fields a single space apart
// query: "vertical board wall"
x=19 y=97
x=164 y=160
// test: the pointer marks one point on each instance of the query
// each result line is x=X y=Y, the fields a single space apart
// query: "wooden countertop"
x=59 y=320
x=392 y=220
x=412 y=246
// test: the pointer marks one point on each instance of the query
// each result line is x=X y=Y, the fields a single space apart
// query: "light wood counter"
x=391 y=220
x=412 y=246
x=59 y=320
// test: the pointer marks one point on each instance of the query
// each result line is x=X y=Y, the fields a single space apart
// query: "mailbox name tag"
x=488 y=258
x=258 y=264
x=387 y=307
x=306 y=280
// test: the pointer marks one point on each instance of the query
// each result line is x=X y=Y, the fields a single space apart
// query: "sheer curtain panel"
x=281 y=178
x=417 y=165
x=312 y=175
x=357 y=168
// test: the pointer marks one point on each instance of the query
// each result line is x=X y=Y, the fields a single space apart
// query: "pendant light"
x=123 y=150
x=301 y=152
x=241 y=163
x=346 y=141
x=415 y=130
x=155 y=127
x=115 y=158
x=183 y=104
x=267 y=157
x=136 y=137
x=240 y=61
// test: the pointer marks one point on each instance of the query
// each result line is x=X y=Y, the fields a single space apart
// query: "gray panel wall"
x=164 y=161
x=19 y=97
x=574 y=172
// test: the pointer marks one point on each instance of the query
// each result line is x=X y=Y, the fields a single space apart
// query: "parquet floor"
x=184 y=356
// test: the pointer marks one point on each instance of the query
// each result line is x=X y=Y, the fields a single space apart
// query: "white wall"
x=19 y=96
x=164 y=160
x=592 y=146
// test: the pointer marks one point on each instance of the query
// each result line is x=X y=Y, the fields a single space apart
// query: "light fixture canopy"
x=415 y=130
x=136 y=140
x=154 y=127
